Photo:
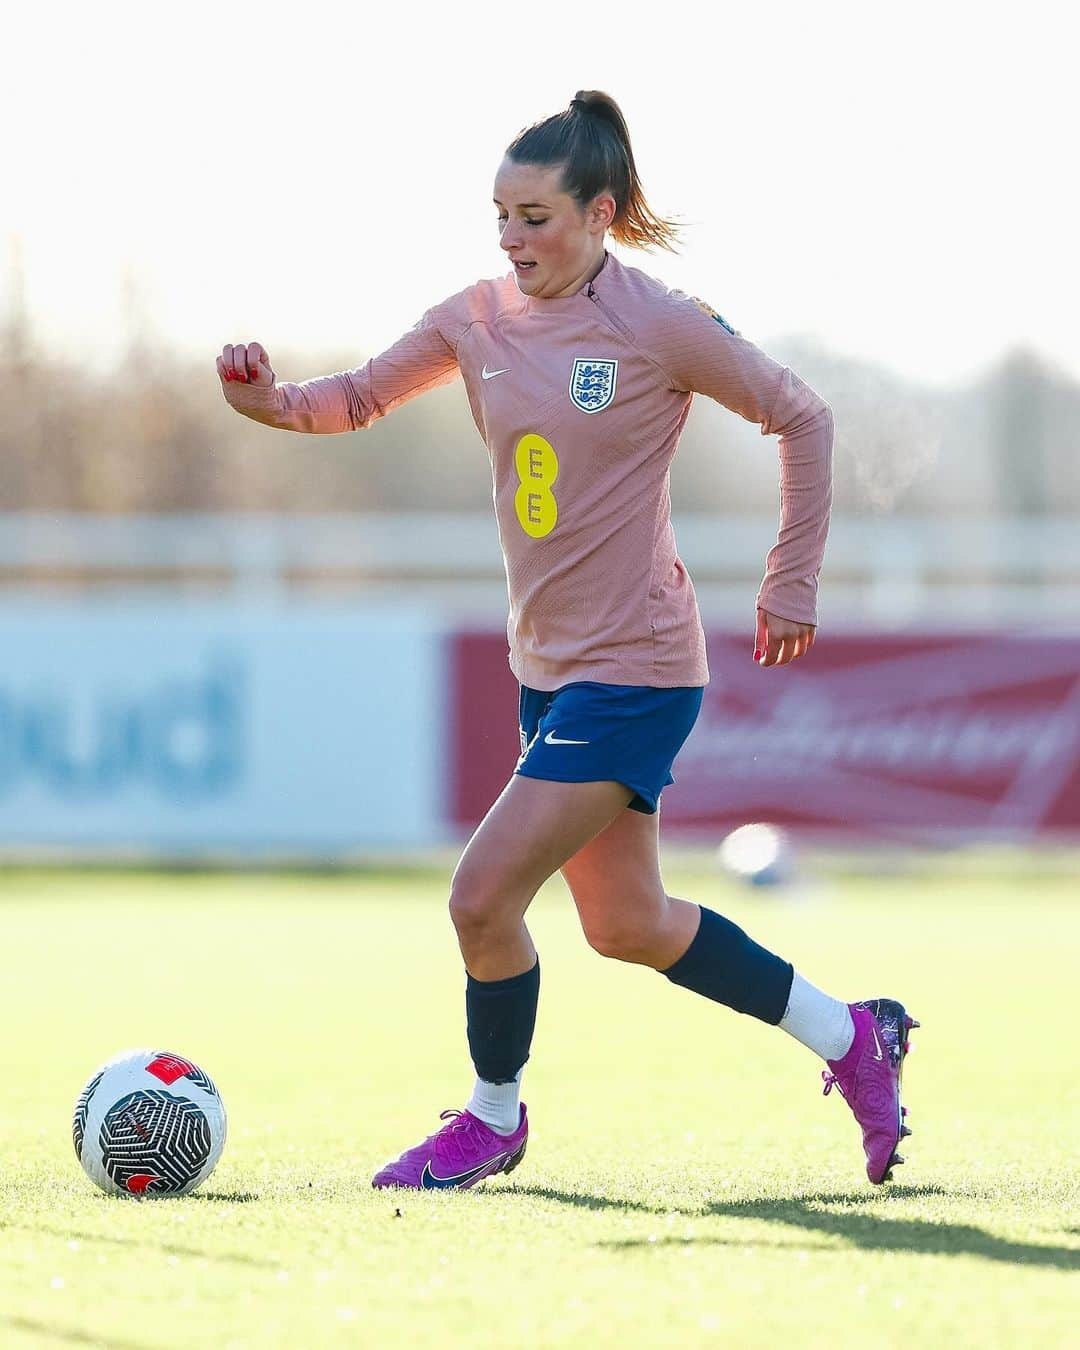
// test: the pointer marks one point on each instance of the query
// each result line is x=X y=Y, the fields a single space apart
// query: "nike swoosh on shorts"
x=486 y=374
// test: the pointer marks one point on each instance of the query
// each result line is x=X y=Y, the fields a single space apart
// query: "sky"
x=888 y=180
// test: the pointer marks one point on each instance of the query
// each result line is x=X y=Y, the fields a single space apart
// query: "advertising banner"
x=905 y=737
x=176 y=727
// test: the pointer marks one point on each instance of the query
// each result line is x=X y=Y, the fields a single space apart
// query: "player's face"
x=554 y=245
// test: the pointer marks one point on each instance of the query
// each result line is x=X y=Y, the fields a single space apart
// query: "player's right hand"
x=778 y=641
x=247 y=364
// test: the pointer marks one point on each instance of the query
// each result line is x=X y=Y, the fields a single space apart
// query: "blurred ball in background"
x=760 y=855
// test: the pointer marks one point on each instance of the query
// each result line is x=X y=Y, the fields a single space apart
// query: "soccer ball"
x=758 y=854
x=148 y=1123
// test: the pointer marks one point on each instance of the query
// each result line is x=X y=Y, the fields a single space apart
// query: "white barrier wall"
x=177 y=728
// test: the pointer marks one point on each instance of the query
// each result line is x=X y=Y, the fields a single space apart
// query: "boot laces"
x=831 y=1081
x=452 y=1140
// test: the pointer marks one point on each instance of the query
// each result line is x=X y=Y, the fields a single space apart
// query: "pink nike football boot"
x=462 y=1153
x=868 y=1077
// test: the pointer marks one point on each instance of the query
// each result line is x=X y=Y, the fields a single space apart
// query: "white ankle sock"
x=497 y=1104
x=822 y=1023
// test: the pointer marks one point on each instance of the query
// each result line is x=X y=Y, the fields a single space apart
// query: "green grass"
x=686 y=1184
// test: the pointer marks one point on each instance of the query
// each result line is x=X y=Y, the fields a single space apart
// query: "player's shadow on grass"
x=809 y=1213
x=73 y=1335
x=583 y=1200
x=873 y=1232
x=142 y=1243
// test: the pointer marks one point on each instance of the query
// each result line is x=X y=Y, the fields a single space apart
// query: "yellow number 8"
x=537 y=467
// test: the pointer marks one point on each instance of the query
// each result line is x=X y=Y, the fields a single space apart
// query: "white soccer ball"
x=758 y=854
x=149 y=1123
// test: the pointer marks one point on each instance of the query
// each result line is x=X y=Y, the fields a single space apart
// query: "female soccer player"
x=580 y=373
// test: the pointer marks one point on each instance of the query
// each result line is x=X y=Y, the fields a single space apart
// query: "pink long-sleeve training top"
x=581 y=401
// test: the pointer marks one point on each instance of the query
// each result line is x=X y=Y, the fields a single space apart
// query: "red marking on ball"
x=169 y=1068
x=137 y=1125
x=137 y=1184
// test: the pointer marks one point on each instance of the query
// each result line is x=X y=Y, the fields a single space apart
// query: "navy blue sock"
x=501 y=1015
x=725 y=965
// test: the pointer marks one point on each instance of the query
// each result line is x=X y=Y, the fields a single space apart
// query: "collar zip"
x=612 y=319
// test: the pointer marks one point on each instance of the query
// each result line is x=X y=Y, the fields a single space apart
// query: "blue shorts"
x=589 y=732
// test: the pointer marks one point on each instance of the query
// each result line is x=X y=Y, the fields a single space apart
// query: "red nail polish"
x=757 y=656
x=228 y=375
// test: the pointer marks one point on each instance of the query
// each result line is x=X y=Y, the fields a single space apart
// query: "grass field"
x=686 y=1183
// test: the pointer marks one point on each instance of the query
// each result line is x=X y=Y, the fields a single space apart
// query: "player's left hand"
x=780 y=641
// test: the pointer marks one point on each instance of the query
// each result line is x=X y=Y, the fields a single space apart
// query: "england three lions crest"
x=592 y=383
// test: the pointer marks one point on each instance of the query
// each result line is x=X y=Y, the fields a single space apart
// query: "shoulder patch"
x=708 y=309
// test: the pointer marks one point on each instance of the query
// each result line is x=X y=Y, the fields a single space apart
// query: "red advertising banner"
x=912 y=736
x=483 y=707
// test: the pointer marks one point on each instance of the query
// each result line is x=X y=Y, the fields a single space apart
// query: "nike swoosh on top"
x=877 y=1043
x=430 y=1182
x=486 y=374
x=552 y=739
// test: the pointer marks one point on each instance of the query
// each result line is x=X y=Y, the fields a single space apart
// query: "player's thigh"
x=615 y=878
x=530 y=831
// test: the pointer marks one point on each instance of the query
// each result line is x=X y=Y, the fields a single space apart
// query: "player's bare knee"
x=470 y=912
x=478 y=907
x=621 y=941
x=607 y=941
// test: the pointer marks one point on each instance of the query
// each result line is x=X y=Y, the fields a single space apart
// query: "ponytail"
x=591 y=142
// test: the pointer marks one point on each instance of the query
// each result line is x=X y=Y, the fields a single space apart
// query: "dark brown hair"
x=591 y=142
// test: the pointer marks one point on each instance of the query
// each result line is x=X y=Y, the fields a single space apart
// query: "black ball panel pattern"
x=154 y=1142
x=200 y=1078
x=82 y=1110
